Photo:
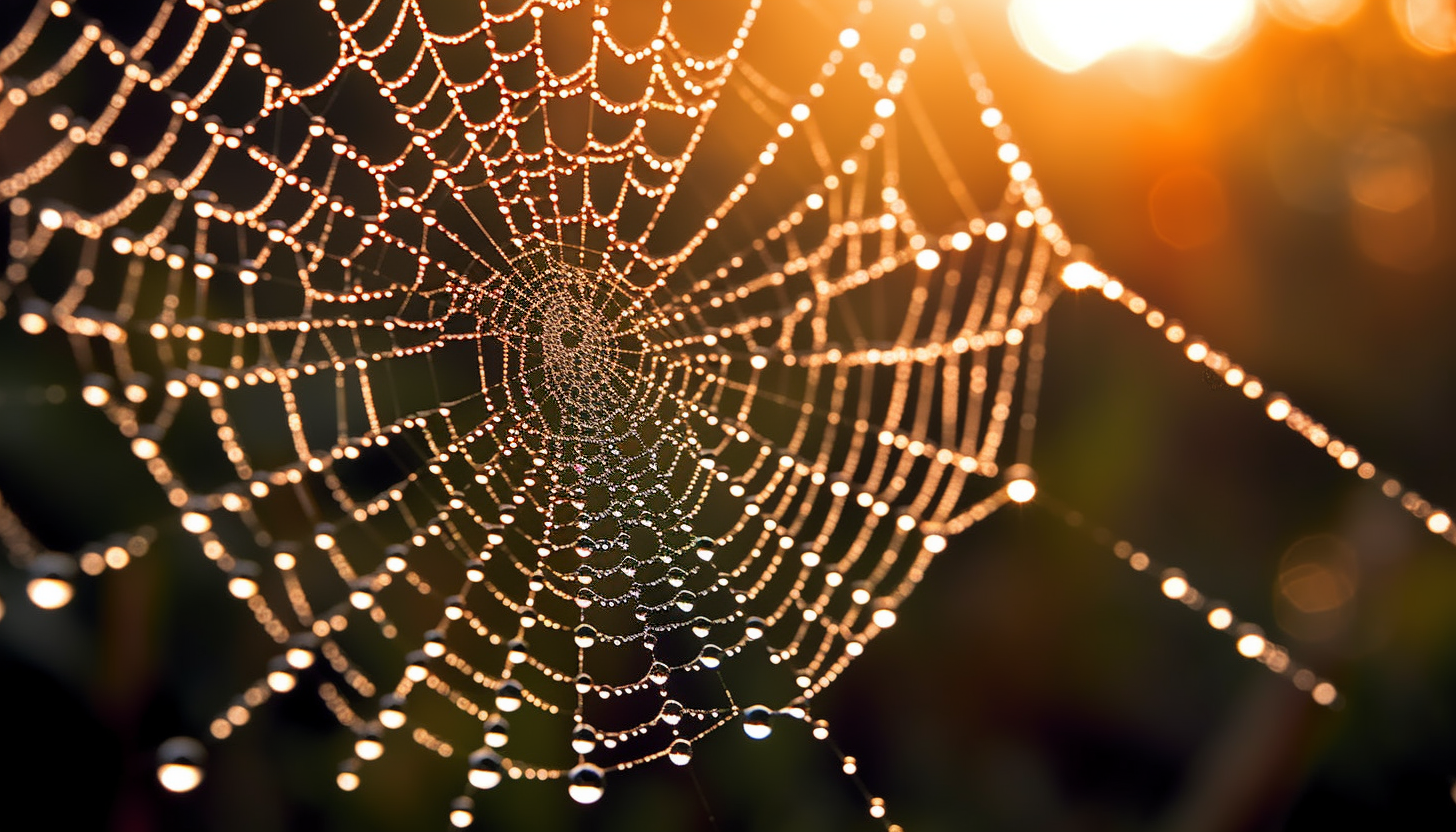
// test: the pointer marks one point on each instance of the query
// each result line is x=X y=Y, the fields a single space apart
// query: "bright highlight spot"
x=1080 y=275
x=369 y=748
x=927 y=259
x=50 y=587
x=49 y=593
x=179 y=764
x=242 y=587
x=1070 y=35
x=179 y=777
x=1175 y=587
x=1251 y=645
x=1020 y=490
x=1439 y=523
x=281 y=681
x=1428 y=25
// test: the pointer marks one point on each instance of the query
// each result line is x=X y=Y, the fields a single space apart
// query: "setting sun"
x=1069 y=35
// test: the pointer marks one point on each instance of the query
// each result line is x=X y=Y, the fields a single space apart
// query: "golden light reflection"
x=1070 y=35
x=1188 y=208
x=1317 y=583
x=1388 y=170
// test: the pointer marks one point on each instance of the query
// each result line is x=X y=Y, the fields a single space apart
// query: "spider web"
x=536 y=372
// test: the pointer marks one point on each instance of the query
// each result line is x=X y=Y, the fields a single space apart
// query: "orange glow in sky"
x=1069 y=35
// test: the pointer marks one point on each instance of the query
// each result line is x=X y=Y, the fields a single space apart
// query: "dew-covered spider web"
x=532 y=369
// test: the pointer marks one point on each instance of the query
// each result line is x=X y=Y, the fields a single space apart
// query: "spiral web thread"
x=556 y=359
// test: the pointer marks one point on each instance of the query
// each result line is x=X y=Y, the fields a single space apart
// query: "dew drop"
x=391 y=712
x=701 y=626
x=754 y=627
x=711 y=657
x=585 y=635
x=179 y=764
x=705 y=547
x=587 y=783
x=756 y=722
x=516 y=651
x=462 y=812
x=497 y=732
x=485 y=769
x=583 y=739
x=680 y=752
x=508 y=696
x=50 y=586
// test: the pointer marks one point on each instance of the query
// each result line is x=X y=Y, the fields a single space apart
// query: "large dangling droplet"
x=485 y=769
x=756 y=722
x=585 y=636
x=497 y=733
x=462 y=812
x=705 y=547
x=754 y=627
x=702 y=626
x=680 y=752
x=583 y=739
x=711 y=656
x=508 y=696
x=179 y=764
x=50 y=586
x=586 y=783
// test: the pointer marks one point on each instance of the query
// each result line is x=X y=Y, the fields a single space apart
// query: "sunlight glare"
x=1305 y=14
x=1070 y=35
x=1427 y=25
